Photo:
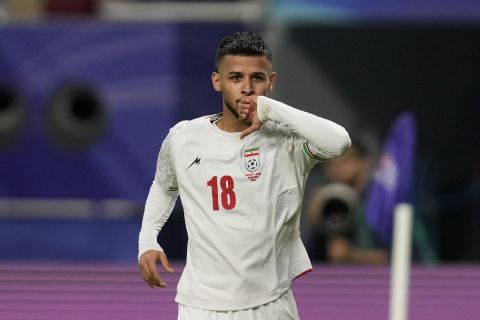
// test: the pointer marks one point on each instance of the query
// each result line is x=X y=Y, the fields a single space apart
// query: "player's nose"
x=247 y=88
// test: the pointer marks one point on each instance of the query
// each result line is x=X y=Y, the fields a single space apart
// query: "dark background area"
x=149 y=76
x=432 y=70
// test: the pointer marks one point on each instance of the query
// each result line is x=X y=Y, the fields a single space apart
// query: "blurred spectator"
x=353 y=168
x=71 y=7
x=340 y=234
x=37 y=8
x=24 y=8
x=3 y=12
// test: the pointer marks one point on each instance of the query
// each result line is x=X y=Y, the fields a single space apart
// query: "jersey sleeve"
x=161 y=199
x=165 y=175
x=311 y=138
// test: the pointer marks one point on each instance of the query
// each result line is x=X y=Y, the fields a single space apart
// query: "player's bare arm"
x=148 y=267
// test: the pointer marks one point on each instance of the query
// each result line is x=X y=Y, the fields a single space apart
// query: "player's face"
x=239 y=76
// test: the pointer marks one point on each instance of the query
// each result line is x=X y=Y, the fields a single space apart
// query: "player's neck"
x=230 y=123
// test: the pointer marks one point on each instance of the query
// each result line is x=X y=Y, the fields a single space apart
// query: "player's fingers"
x=245 y=99
x=250 y=100
x=243 y=106
x=142 y=266
x=154 y=276
x=148 y=269
x=243 y=113
x=164 y=261
x=146 y=275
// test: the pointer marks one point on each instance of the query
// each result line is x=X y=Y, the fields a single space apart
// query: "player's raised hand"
x=148 y=267
x=247 y=110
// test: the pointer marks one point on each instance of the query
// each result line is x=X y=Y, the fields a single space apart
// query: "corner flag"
x=392 y=179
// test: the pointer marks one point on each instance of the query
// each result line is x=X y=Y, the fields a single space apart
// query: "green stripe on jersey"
x=309 y=154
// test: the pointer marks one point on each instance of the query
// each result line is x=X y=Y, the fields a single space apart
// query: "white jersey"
x=242 y=202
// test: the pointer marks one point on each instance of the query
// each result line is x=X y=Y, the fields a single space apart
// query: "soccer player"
x=240 y=175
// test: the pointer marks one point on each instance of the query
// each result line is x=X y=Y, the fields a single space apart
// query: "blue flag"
x=392 y=178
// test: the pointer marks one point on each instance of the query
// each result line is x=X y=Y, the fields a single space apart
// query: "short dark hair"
x=242 y=44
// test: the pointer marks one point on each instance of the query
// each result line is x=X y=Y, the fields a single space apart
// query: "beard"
x=231 y=108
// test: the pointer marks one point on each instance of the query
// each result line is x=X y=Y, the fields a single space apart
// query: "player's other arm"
x=325 y=138
x=158 y=207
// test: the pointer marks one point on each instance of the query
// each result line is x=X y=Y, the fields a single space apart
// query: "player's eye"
x=235 y=77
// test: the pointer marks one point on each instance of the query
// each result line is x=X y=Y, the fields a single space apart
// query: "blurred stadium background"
x=89 y=89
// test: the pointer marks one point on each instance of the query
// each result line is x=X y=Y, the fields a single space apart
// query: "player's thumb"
x=245 y=132
x=249 y=130
x=164 y=261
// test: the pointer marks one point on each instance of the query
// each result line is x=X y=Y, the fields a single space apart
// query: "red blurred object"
x=71 y=7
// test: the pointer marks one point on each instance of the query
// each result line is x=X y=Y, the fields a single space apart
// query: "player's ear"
x=273 y=79
x=216 y=81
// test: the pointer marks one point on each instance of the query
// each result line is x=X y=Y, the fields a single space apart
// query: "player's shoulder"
x=190 y=125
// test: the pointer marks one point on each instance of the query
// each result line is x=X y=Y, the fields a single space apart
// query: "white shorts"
x=283 y=308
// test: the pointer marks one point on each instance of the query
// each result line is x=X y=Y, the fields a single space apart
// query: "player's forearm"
x=330 y=139
x=158 y=207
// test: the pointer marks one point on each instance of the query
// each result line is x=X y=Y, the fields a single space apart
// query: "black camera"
x=333 y=210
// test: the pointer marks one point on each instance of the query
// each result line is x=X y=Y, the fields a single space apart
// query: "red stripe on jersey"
x=303 y=273
x=313 y=155
x=251 y=154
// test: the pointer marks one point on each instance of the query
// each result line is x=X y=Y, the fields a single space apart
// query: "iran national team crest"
x=251 y=158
